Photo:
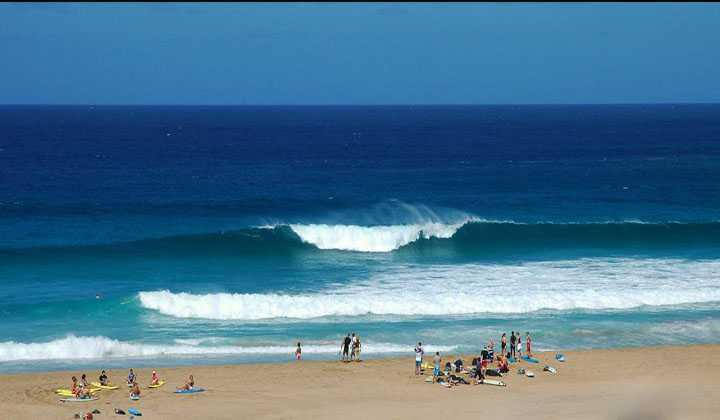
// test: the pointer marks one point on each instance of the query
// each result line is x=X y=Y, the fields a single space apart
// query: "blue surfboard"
x=530 y=359
x=189 y=391
x=134 y=412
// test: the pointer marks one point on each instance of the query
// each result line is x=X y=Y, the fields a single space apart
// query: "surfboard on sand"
x=73 y=399
x=492 y=382
x=189 y=391
x=530 y=359
x=529 y=374
x=159 y=384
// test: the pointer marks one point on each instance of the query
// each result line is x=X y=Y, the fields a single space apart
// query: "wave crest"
x=590 y=283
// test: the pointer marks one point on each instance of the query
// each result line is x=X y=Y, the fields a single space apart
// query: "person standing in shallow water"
x=298 y=352
x=346 y=348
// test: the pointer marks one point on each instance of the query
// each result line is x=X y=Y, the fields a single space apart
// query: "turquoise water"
x=156 y=236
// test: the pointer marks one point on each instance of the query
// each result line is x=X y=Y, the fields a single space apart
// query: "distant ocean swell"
x=588 y=283
x=470 y=235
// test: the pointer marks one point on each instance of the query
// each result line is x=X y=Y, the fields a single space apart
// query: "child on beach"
x=418 y=357
x=155 y=378
x=103 y=378
x=135 y=391
x=298 y=352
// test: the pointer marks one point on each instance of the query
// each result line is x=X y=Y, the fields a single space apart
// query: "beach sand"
x=635 y=383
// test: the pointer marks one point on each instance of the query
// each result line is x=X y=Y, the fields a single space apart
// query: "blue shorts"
x=436 y=371
x=418 y=362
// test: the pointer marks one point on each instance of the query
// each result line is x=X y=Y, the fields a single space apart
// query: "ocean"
x=158 y=236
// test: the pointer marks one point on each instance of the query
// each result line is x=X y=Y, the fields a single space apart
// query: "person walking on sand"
x=418 y=357
x=298 y=352
x=513 y=339
x=528 y=343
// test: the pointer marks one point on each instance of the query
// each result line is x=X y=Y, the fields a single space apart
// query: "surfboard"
x=134 y=412
x=190 y=391
x=529 y=374
x=159 y=384
x=79 y=399
x=98 y=385
x=493 y=382
x=68 y=393
x=530 y=359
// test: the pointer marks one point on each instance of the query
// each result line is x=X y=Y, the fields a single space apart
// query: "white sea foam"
x=373 y=238
x=73 y=347
x=591 y=283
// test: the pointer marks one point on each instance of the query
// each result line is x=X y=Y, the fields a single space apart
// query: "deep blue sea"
x=227 y=234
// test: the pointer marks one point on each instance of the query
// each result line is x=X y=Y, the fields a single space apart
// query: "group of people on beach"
x=83 y=389
x=480 y=365
x=350 y=348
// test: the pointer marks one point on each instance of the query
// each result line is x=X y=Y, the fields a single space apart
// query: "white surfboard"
x=529 y=374
x=78 y=399
x=493 y=382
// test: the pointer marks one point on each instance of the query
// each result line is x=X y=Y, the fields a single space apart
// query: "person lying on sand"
x=135 y=390
x=188 y=385
x=155 y=378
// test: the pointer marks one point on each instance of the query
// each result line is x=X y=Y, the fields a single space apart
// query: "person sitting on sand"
x=188 y=385
x=298 y=352
x=155 y=380
x=83 y=381
x=77 y=390
x=135 y=391
x=503 y=366
x=103 y=378
x=131 y=377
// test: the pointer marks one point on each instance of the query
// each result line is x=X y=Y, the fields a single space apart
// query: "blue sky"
x=359 y=53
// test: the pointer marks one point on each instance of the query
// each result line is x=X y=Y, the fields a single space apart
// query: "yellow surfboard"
x=108 y=386
x=159 y=384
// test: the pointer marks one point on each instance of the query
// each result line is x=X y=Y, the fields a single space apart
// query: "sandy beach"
x=635 y=383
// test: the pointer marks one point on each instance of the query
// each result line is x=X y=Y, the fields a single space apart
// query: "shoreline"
x=666 y=381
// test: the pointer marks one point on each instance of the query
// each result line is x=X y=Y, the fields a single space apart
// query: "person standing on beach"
x=346 y=348
x=357 y=348
x=437 y=361
x=353 y=344
x=418 y=357
x=298 y=352
x=503 y=344
x=528 y=343
x=512 y=343
x=519 y=345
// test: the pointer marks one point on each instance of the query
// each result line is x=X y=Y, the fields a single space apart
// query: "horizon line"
x=353 y=105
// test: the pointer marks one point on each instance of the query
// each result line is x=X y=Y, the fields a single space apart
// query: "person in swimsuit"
x=418 y=357
x=131 y=377
x=357 y=348
x=155 y=378
x=103 y=378
x=84 y=382
x=528 y=343
x=135 y=390
x=519 y=345
x=298 y=352
x=188 y=385
x=503 y=343
x=437 y=360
